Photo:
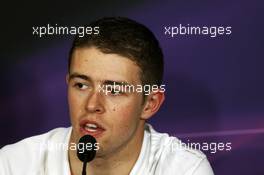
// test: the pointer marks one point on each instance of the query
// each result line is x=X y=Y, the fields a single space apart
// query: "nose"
x=94 y=103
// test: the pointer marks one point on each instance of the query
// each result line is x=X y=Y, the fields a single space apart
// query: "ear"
x=152 y=104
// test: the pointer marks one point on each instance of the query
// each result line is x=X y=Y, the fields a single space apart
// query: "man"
x=105 y=74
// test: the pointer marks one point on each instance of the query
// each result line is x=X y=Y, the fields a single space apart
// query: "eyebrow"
x=105 y=82
x=81 y=76
x=120 y=83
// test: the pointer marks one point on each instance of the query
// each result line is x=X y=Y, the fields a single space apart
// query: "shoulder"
x=175 y=157
x=30 y=151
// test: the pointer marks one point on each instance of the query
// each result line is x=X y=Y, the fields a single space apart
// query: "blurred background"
x=214 y=86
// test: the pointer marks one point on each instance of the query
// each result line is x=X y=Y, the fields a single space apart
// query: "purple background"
x=214 y=86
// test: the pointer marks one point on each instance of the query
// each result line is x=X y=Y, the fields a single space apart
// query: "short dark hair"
x=127 y=38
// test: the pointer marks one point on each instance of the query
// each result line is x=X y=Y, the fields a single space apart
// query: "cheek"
x=75 y=102
x=126 y=117
x=126 y=110
x=125 y=106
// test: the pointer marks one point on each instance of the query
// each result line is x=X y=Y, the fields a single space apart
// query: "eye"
x=80 y=86
x=116 y=92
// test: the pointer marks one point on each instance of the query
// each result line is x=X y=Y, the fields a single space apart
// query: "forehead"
x=100 y=66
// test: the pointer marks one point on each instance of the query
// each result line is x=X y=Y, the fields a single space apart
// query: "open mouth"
x=91 y=128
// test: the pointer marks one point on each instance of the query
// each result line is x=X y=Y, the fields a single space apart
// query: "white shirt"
x=43 y=155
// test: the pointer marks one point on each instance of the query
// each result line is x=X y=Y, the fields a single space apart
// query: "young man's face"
x=113 y=119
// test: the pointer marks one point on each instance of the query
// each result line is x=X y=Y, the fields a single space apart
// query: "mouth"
x=91 y=128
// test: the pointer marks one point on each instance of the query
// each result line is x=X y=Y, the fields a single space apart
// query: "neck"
x=120 y=162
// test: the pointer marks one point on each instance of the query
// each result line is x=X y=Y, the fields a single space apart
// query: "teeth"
x=91 y=127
